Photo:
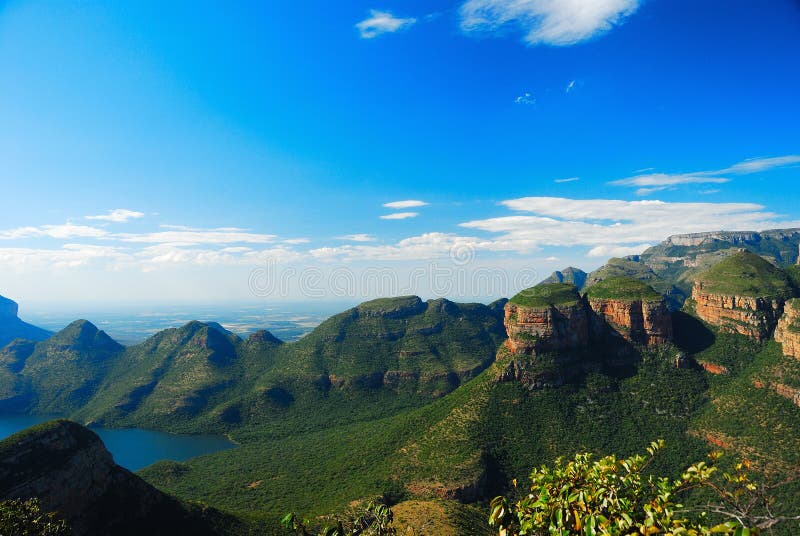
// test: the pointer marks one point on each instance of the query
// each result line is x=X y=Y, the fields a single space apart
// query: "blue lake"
x=134 y=448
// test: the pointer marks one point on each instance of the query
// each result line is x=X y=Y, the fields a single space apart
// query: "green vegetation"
x=25 y=518
x=373 y=519
x=614 y=497
x=636 y=269
x=559 y=294
x=624 y=289
x=746 y=274
x=399 y=398
x=62 y=373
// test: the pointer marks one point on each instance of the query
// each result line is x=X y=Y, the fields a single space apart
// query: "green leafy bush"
x=25 y=518
x=612 y=496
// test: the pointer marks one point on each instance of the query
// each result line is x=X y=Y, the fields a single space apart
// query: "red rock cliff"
x=788 y=331
x=643 y=322
x=533 y=330
x=751 y=316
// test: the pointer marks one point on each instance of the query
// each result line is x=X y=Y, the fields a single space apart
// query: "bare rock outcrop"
x=551 y=328
x=754 y=317
x=645 y=322
x=788 y=331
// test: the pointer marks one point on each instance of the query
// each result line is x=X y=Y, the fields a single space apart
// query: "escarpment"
x=632 y=309
x=788 y=331
x=742 y=294
x=554 y=332
x=547 y=318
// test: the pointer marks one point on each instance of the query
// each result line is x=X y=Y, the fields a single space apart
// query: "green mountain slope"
x=746 y=274
x=170 y=378
x=61 y=374
x=400 y=351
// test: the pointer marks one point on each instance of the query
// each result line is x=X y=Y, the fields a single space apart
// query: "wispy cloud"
x=655 y=182
x=571 y=179
x=358 y=237
x=118 y=215
x=525 y=98
x=550 y=22
x=63 y=231
x=562 y=222
x=381 y=22
x=570 y=86
x=400 y=216
x=408 y=203
x=221 y=235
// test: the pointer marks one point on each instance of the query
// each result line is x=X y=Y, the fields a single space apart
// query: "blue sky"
x=163 y=151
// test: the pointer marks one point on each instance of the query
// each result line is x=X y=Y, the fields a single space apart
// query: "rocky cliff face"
x=788 y=331
x=645 y=322
x=620 y=306
x=552 y=328
x=754 y=317
x=69 y=469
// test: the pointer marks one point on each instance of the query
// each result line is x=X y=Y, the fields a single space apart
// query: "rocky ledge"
x=788 y=331
x=754 y=317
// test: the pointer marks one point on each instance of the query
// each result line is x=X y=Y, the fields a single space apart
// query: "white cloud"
x=756 y=165
x=427 y=246
x=408 y=203
x=570 y=86
x=119 y=215
x=358 y=237
x=64 y=231
x=571 y=179
x=400 y=216
x=381 y=22
x=550 y=22
x=296 y=241
x=655 y=182
x=68 y=256
x=616 y=251
x=525 y=98
x=222 y=235
x=550 y=221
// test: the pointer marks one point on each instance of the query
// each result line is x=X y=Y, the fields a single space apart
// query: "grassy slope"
x=547 y=294
x=746 y=274
x=623 y=288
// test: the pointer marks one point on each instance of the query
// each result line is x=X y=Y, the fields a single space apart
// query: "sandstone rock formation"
x=788 y=331
x=742 y=294
x=556 y=318
x=754 y=317
x=67 y=467
x=632 y=309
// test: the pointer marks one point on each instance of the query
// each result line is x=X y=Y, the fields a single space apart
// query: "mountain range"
x=437 y=406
